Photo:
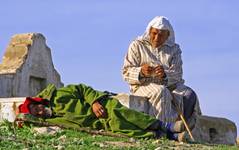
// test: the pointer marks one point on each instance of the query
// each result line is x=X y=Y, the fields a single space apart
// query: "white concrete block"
x=9 y=106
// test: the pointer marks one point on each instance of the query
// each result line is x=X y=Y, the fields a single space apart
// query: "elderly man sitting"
x=153 y=69
x=78 y=106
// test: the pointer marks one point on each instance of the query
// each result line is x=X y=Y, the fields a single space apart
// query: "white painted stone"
x=9 y=107
x=134 y=102
x=27 y=66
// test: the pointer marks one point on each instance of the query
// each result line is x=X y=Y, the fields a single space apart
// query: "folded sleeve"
x=175 y=72
x=89 y=94
x=131 y=68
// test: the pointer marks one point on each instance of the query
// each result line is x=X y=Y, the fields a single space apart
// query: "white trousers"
x=160 y=101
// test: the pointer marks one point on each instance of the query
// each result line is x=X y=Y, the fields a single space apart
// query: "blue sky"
x=89 y=40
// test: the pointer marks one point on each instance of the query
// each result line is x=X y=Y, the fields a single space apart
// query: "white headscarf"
x=161 y=23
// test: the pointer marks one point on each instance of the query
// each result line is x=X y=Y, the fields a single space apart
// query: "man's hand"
x=146 y=70
x=99 y=110
x=159 y=71
x=149 y=71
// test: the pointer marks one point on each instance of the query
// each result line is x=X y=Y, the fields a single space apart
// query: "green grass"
x=25 y=138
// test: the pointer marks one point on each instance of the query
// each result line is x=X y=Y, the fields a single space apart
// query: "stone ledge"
x=134 y=102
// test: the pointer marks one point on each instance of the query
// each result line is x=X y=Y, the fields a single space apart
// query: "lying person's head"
x=37 y=107
x=40 y=110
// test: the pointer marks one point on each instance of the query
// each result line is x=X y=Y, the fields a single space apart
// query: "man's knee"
x=190 y=95
x=189 y=101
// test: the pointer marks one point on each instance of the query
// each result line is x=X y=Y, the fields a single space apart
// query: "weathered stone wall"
x=27 y=66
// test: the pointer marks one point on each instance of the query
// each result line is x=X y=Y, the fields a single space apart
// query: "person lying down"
x=76 y=106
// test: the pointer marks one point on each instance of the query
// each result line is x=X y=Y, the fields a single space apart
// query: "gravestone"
x=27 y=66
x=215 y=130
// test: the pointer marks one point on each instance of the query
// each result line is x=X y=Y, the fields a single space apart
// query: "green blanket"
x=72 y=108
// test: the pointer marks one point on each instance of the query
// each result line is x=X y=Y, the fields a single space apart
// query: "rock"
x=47 y=130
x=62 y=138
x=132 y=140
x=27 y=66
x=59 y=147
x=215 y=130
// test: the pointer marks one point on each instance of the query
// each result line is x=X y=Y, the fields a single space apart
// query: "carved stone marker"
x=215 y=130
x=27 y=66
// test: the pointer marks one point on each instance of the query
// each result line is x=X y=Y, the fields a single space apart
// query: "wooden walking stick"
x=182 y=117
x=81 y=129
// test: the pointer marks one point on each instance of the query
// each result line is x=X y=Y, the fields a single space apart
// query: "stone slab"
x=134 y=102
